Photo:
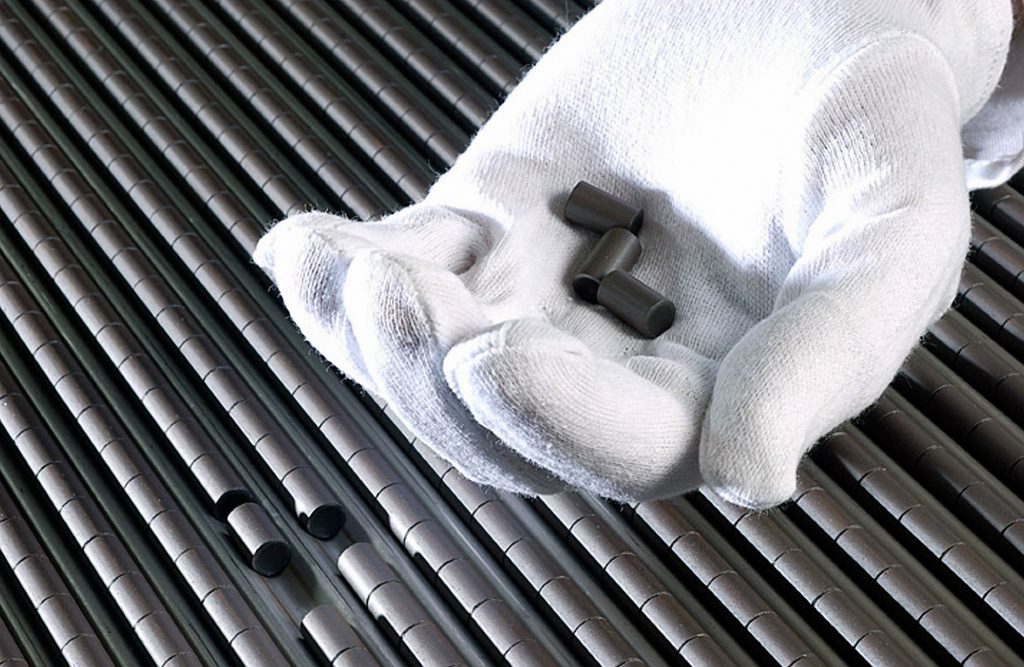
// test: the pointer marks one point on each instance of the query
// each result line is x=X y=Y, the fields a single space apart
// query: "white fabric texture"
x=803 y=173
x=994 y=138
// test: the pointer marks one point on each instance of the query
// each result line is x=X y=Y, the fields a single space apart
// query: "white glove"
x=803 y=181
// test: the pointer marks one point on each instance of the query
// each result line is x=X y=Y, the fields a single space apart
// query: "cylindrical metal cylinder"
x=1008 y=215
x=259 y=539
x=1003 y=206
x=221 y=484
x=325 y=628
x=636 y=304
x=985 y=200
x=364 y=569
x=320 y=515
x=600 y=211
x=617 y=250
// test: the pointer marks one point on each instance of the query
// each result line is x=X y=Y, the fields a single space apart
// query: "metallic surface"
x=150 y=383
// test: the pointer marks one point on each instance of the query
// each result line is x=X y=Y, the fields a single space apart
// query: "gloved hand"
x=803 y=181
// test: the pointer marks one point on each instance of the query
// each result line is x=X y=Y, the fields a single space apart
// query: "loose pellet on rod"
x=220 y=483
x=320 y=515
x=256 y=534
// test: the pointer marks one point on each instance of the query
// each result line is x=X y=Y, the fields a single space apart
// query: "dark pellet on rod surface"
x=1009 y=211
x=617 y=250
x=325 y=628
x=259 y=539
x=600 y=211
x=636 y=304
x=220 y=483
x=986 y=200
x=320 y=515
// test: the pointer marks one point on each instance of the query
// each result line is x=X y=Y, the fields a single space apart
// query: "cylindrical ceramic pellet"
x=1009 y=212
x=320 y=515
x=326 y=630
x=986 y=200
x=636 y=304
x=259 y=539
x=600 y=211
x=364 y=569
x=255 y=648
x=617 y=250
x=220 y=483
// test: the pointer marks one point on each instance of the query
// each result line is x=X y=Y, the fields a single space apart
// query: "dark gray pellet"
x=226 y=607
x=404 y=509
x=636 y=304
x=36 y=454
x=16 y=541
x=370 y=467
x=600 y=211
x=433 y=547
x=364 y=569
x=607 y=647
x=108 y=556
x=220 y=482
x=526 y=653
x=320 y=515
x=393 y=602
x=63 y=618
x=617 y=250
x=464 y=584
x=183 y=660
x=54 y=480
x=356 y=657
x=85 y=650
x=118 y=457
x=532 y=564
x=10 y=652
x=503 y=530
x=174 y=532
x=150 y=501
x=132 y=593
x=600 y=544
x=279 y=458
x=429 y=647
x=157 y=633
x=259 y=539
x=198 y=568
x=37 y=578
x=326 y=630
x=255 y=648
x=566 y=601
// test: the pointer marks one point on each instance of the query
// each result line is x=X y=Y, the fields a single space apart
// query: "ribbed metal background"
x=150 y=381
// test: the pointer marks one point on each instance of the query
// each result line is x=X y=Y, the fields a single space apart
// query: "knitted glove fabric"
x=802 y=171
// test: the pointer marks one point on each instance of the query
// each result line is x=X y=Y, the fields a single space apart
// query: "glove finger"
x=429 y=232
x=307 y=256
x=879 y=260
x=827 y=355
x=406 y=315
x=309 y=264
x=600 y=425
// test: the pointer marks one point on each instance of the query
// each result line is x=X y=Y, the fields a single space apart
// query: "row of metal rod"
x=676 y=564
